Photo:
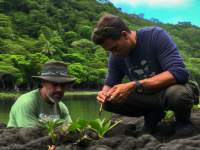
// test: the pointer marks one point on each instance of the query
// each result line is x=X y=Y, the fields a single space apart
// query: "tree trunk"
x=13 y=85
x=28 y=85
x=16 y=89
x=71 y=87
x=35 y=85
x=3 y=84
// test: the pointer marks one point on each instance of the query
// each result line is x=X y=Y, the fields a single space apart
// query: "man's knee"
x=179 y=97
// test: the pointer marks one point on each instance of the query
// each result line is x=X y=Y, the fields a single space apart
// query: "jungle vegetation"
x=33 y=32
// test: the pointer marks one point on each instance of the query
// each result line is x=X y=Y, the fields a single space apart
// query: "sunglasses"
x=100 y=32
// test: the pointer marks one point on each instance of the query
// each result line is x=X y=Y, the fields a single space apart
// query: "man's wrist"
x=105 y=90
x=138 y=87
x=132 y=86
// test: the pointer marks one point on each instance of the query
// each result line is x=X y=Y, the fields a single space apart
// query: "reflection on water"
x=83 y=106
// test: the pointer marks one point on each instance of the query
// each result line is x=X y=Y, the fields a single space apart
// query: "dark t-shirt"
x=154 y=53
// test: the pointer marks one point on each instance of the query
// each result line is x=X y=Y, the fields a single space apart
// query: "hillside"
x=33 y=32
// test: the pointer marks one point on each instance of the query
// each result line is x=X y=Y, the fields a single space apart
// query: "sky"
x=167 y=11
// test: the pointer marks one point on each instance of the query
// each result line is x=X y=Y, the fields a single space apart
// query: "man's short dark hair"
x=109 y=21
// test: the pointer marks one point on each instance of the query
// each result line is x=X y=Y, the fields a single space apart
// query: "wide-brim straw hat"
x=55 y=71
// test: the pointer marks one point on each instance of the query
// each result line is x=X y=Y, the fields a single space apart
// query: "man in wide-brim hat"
x=44 y=102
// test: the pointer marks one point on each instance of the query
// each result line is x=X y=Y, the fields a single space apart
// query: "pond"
x=83 y=106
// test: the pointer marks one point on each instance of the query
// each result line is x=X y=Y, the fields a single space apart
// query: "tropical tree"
x=48 y=49
x=6 y=67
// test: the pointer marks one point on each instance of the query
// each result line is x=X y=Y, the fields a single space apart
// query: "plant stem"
x=101 y=106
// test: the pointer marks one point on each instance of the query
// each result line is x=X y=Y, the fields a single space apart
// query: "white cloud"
x=154 y=3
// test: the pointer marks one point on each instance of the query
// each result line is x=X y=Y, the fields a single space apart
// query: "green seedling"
x=50 y=127
x=170 y=113
x=99 y=112
x=83 y=125
x=80 y=125
x=194 y=107
x=97 y=125
x=73 y=127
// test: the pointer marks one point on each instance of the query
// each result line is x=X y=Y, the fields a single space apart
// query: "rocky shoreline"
x=125 y=136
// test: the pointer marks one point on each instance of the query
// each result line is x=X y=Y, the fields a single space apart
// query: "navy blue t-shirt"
x=154 y=53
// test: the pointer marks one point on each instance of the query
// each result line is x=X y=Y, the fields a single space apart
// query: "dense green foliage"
x=33 y=32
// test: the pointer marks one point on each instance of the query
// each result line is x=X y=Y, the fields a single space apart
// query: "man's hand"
x=102 y=96
x=119 y=93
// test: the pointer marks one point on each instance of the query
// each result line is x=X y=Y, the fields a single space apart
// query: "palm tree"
x=48 y=49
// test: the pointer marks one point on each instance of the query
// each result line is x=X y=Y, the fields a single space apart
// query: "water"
x=83 y=106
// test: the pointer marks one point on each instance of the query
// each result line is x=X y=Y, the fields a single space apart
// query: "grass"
x=67 y=93
x=9 y=94
x=81 y=93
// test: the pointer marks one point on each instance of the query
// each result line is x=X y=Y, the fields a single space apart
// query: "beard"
x=53 y=99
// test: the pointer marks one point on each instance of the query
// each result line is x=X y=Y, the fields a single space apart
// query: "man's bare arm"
x=160 y=81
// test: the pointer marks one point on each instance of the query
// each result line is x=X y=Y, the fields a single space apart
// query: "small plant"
x=99 y=112
x=83 y=125
x=170 y=113
x=80 y=125
x=50 y=127
x=97 y=125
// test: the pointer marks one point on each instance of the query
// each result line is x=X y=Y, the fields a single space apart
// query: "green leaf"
x=58 y=122
x=102 y=131
x=61 y=129
x=194 y=107
x=43 y=126
x=102 y=121
x=168 y=114
x=107 y=125
x=73 y=126
x=113 y=125
x=99 y=121
x=83 y=123
x=95 y=124
x=51 y=125
x=44 y=134
x=77 y=119
x=44 y=121
x=94 y=129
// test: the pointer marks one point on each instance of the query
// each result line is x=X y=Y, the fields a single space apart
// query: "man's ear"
x=124 y=35
x=42 y=82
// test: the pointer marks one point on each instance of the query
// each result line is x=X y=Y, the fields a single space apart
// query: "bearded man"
x=44 y=102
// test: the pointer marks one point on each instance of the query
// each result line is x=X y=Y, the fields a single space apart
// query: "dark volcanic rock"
x=125 y=136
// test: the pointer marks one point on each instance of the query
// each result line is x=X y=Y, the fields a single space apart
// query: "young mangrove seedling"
x=170 y=113
x=99 y=112
x=83 y=125
x=50 y=127
x=97 y=125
